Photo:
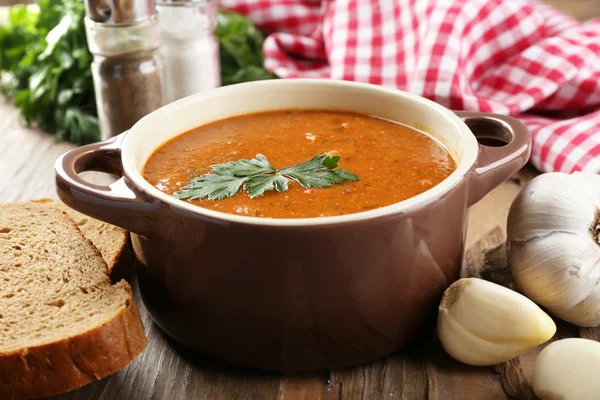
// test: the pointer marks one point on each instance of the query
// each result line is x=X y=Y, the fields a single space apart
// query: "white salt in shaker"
x=189 y=49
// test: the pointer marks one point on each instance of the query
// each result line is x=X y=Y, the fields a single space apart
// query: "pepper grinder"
x=123 y=36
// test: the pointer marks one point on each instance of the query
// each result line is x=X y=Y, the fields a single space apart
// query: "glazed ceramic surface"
x=294 y=294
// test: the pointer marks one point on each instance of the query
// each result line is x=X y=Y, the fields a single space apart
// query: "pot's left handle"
x=495 y=164
x=119 y=203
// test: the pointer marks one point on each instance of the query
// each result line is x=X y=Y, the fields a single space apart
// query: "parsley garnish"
x=258 y=176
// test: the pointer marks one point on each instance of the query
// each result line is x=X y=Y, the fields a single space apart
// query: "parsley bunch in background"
x=45 y=65
x=240 y=45
x=45 y=51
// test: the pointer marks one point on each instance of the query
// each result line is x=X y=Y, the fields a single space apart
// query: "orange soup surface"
x=393 y=161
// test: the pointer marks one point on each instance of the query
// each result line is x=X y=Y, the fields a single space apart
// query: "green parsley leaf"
x=255 y=166
x=259 y=184
x=212 y=186
x=258 y=176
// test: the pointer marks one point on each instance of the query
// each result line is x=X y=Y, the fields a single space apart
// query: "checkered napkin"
x=517 y=57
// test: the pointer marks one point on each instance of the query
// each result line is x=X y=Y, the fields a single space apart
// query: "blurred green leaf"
x=64 y=96
x=58 y=33
x=24 y=16
x=240 y=49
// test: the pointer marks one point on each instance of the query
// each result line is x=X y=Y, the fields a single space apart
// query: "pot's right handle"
x=496 y=164
x=120 y=203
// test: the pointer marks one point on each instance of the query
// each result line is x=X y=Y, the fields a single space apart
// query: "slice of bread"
x=62 y=323
x=112 y=241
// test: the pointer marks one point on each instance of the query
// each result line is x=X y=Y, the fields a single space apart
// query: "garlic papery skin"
x=568 y=370
x=552 y=245
x=482 y=323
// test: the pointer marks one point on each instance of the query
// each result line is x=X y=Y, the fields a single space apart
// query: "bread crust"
x=123 y=263
x=74 y=361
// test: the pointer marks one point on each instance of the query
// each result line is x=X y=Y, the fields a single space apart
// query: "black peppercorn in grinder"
x=123 y=36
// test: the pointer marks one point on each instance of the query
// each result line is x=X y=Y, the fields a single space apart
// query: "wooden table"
x=166 y=371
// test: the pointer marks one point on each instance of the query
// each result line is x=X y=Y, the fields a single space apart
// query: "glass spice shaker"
x=189 y=48
x=123 y=36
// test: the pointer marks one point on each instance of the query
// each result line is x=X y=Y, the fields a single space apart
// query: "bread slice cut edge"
x=112 y=241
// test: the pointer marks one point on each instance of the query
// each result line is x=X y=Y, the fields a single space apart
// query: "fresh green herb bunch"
x=240 y=45
x=46 y=53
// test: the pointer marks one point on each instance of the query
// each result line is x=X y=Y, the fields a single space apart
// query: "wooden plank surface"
x=167 y=371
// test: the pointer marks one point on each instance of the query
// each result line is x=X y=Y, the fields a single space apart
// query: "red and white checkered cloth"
x=513 y=57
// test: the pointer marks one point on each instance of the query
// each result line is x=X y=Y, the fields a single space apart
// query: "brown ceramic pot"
x=294 y=294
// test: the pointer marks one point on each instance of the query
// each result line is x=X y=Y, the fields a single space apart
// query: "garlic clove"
x=553 y=246
x=554 y=202
x=481 y=323
x=568 y=370
x=560 y=272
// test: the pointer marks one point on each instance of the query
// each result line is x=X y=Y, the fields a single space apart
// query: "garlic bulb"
x=553 y=250
x=481 y=323
x=568 y=369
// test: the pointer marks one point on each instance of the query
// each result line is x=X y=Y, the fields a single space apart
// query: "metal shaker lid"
x=116 y=12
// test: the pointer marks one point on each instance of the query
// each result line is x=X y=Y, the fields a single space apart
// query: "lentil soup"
x=393 y=161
